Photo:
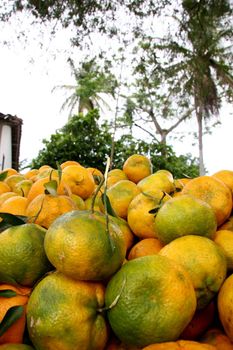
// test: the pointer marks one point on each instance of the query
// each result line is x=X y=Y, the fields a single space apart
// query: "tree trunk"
x=199 y=115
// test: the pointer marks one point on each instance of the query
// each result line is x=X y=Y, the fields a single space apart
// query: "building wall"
x=5 y=147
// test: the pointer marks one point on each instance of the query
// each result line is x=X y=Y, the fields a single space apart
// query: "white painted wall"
x=5 y=147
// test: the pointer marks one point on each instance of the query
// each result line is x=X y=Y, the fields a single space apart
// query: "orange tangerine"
x=19 y=297
x=147 y=246
x=120 y=195
x=45 y=208
x=63 y=313
x=79 y=180
x=214 y=192
x=137 y=167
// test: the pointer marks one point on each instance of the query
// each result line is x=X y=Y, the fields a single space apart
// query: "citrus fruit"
x=22 y=187
x=5 y=196
x=114 y=176
x=136 y=167
x=139 y=217
x=157 y=181
x=12 y=346
x=150 y=299
x=66 y=314
x=120 y=195
x=214 y=192
x=45 y=208
x=79 y=202
x=224 y=238
x=218 y=338
x=79 y=180
x=181 y=345
x=30 y=174
x=22 y=256
x=4 y=187
x=12 y=180
x=225 y=176
x=10 y=171
x=228 y=224
x=16 y=205
x=69 y=162
x=147 y=246
x=205 y=262
x=81 y=245
x=200 y=322
x=15 y=296
x=184 y=215
x=38 y=187
x=225 y=306
x=125 y=229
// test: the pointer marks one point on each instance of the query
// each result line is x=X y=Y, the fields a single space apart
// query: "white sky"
x=26 y=91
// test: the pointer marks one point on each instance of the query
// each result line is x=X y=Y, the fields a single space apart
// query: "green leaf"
x=11 y=220
x=7 y=293
x=12 y=315
x=51 y=187
x=3 y=175
x=109 y=208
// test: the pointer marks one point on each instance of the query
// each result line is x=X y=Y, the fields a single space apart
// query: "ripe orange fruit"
x=150 y=299
x=147 y=246
x=224 y=239
x=120 y=195
x=95 y=172
x=4 y=187
x=22 y=256
x=66 y=314
x=225 y=176
x=5 y=196
x=45 y=208
x=16 y=205
x=137 y=167
x=180 y=345
x=205 y=262
x=31 y=174
x=125 y=229
x=38 y=187
x=10 y=171
x=80 y=245
x=184 y=215
x=12 y=180
x=15 y=347
x=159 y=180
x=214 y=192
x=225 y=306
x=200 y=322
x=218 y=338
x=79 y=202
x=114 y=176
x=139 y=218
x=20 y=296
x=23 y=187
x=228 y=224
x=79 y=180
x=69 y=162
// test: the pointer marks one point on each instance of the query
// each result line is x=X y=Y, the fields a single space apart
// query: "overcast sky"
x=28 y=76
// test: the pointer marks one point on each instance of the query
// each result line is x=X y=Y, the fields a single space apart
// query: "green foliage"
x=90 y=81
x=85 y=16
x=86 y=140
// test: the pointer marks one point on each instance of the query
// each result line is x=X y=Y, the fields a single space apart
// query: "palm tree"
x=92 y=87
x=203 y=58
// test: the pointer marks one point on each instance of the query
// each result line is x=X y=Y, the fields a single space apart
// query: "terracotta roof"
x=16 y=127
